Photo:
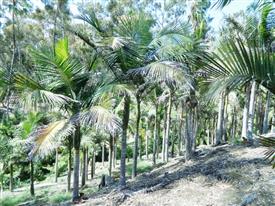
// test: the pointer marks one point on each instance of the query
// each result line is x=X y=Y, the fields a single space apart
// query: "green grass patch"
x=13 y=200
x=142 y=166
x=58 y=198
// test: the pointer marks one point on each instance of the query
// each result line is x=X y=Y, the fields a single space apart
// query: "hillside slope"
x=225 y=175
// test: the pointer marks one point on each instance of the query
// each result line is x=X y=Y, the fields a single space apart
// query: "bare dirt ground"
x=221 y=176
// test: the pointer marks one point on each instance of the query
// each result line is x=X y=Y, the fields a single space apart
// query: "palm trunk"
x=93 y=164
x=251 y=112
x=225 y=119
x=164 y=133
x=213 y=130
x=86 y=164
x=273 y=124
x=135 y=149
x=56 y=164
x=31 y=178
x=111 y=151
x=189 y=135
x=180 y=132
x=245 y=112
x=267 y=108
x=83 y=180
x=233 y=124
x=102 y=154
x=158 y=136
x=155 y=135
x=168 y=120
x=11 y=177
x=114 y=152
x=77 y=138
x=219 y=131
x=259 y=115
x=147 y=134
x=125 y=121
x=69 y=166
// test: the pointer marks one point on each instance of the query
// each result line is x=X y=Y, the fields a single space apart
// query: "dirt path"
x=226 y=175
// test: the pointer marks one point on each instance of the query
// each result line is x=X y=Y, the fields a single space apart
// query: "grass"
x=58 y=198
x=13 y=200
x=142 y=166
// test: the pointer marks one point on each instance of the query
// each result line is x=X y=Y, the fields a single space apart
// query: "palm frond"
x=45 y=139
x=171 y=73
x=100 y=118
x=34 y=94
x=221 y=3
x=268 y=140
x=238 y=62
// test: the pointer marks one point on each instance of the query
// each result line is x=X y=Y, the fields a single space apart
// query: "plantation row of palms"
x=128 y=78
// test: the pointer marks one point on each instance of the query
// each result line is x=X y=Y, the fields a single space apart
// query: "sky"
x=234 y=7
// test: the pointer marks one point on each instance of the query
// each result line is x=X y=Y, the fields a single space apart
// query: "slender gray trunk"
x=83 y=177
x=267 y=108
x=225 y=119
x=155 y=135
x=102 y=153
x=125 y=121
x=69 y=166
x=114 y=152
x=86 y=164
x=219 y=131
x=147 y=134
x=11 y=177
x=189 y=135
x=164 y=133
x=77 y=137
x=168 y=120
x=31 y=178
x=93 y=164
x=135 y=149
x=233 y=124
x=273 y=123
x=180 y=132
x=245 y=112
x=260 y=113
x=251 y=112
x=111 y=151
x=56 y=164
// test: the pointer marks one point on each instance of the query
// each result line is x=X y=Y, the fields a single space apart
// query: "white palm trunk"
x=251 y=112
x=245 y=112
x=267 y=108
x=219 y=131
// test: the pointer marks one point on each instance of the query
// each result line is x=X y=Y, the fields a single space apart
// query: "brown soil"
x=220 y=176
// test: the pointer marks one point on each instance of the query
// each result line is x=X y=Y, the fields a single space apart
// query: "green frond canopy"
x=237 y=62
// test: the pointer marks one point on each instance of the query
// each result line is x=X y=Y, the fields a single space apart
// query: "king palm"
x=60 y=80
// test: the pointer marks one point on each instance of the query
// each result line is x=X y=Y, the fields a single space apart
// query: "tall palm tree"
x=58 y=80
x=237 y=62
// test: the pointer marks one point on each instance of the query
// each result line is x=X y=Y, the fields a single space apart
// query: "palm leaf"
x=172 y=74
x=238 y=61
x=100 y=118
x=45 y=139
x=268 y=140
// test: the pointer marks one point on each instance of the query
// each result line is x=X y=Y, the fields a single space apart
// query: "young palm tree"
x=60 y=80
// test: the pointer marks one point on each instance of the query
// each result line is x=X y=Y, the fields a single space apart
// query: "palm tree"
x=238 y=62
x=60 y=80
